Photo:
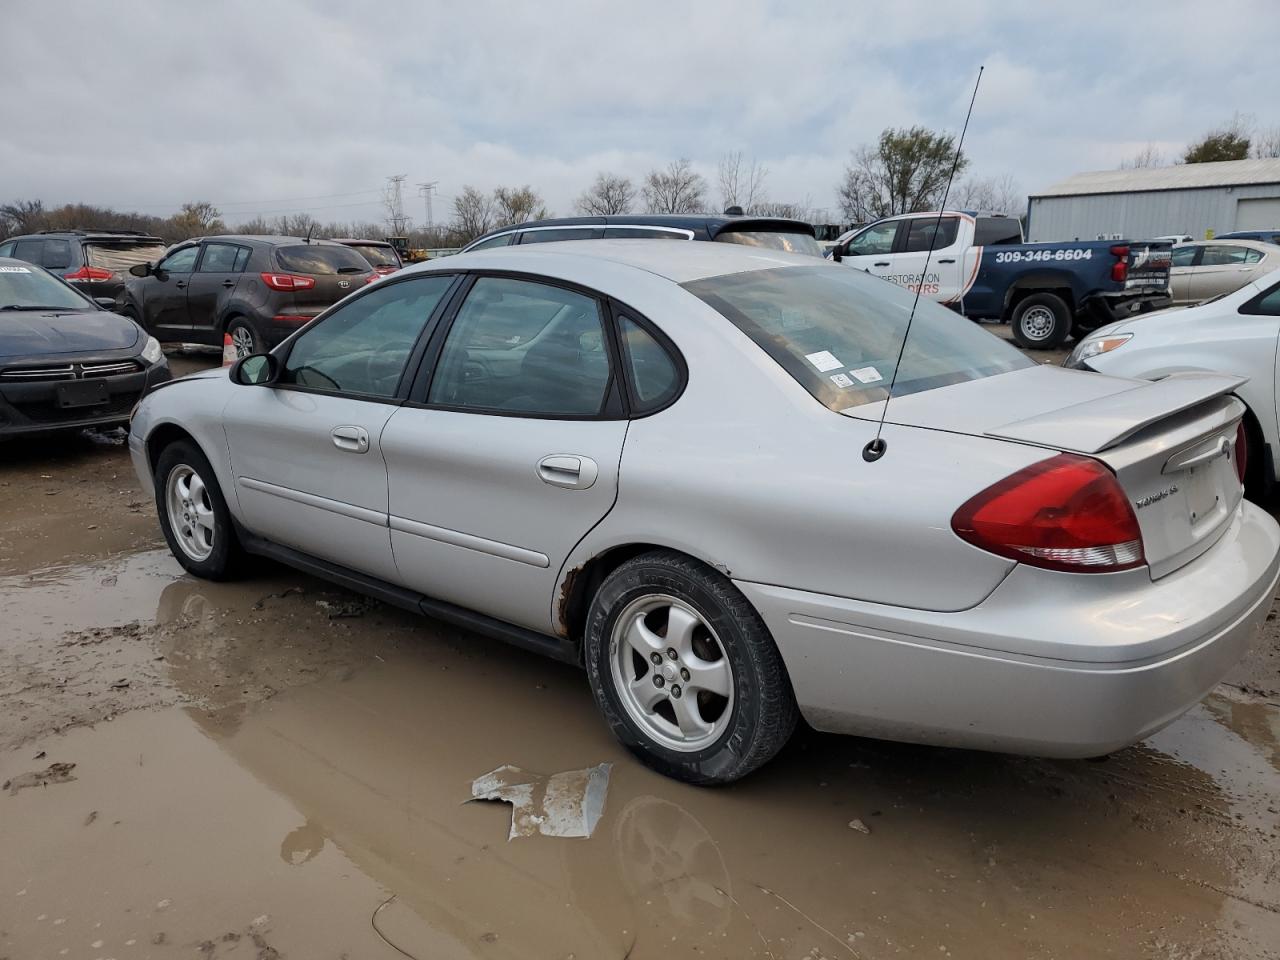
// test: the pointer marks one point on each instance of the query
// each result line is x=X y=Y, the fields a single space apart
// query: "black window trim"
x=614 y=406
x=409 y=374
x=639 y=409
x=1252 y=306
x=1195 y=258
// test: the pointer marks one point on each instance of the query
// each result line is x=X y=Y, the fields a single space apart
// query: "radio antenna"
x=875 y=449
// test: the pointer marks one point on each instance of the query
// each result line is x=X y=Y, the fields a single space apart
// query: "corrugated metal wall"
x=1140 y=215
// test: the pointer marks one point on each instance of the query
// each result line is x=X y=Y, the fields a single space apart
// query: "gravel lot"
x=276 y=768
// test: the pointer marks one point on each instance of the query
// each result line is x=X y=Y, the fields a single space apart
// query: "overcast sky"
x=289 y=105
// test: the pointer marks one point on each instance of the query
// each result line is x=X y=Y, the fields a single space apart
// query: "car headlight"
x=152 y=352
x=1092 y=348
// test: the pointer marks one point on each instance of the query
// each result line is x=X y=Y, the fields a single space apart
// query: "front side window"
x=874 y=241
x=524 y=347
x=363 y=347
x=6 y=249
x=928 y=233
x=839 y=332
x=654 y=373
x=29 y=250
x=1184 y=256
x=219 y=258
x=1220 y=255
x=180 y=261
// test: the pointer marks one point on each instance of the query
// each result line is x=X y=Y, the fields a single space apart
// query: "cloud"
x=146 y=105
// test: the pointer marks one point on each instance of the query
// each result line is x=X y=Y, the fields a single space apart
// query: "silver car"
x=1214 y=268
x=648 y=459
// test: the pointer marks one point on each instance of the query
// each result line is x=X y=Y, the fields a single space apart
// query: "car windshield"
x=30 y=288
x=772 y=240
x=318 y=260
x=839 y=332
x=379 y=256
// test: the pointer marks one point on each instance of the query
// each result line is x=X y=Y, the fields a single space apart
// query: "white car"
x=1236 y=333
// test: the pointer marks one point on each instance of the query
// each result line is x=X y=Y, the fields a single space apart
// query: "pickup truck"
x=980 y=267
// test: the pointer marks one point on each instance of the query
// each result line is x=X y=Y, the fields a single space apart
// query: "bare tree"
x=741 y=182
x=677 y=189
x=22 y=216
x=994 y=194
x=1266 y=144
x=1148 y=156
x=517 y=205
x=804 y=210
x=197 y=220
x=906 y=171
x=472 y=213
x=609 y=194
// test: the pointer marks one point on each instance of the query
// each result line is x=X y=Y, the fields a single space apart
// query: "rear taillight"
x=288 y=281
x=87 y=274
x=1241 y=452
x=372 y=277
x=1064 y=513
x=1120 y=269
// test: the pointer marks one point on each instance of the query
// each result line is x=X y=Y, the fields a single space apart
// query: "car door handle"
x=351 y=439
x=881 y=263
x=228 y=284
x=181 y=284
x=568 y=470
x=948 y=260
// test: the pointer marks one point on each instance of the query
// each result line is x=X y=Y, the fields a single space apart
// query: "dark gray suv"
x=96 y=261
x=259 y=290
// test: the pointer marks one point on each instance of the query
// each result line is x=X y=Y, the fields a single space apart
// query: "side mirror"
x=836 y=253
x=257 y=370
x=140 y=269
x=106 y=303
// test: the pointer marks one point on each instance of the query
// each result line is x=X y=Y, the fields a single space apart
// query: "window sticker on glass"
x=14 y=270
x=824 y=361
x=841 y=381
x=867 y=375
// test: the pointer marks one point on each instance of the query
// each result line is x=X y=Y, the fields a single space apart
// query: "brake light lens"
x=87 y=274
x=1120 y=269
x=288 y=281
x=1241 y=452
x=1065 y=513
x=372 y=277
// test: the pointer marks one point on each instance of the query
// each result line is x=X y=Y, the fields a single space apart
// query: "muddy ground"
x=274 y=768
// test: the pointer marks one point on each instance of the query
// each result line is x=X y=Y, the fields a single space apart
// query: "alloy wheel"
x=242 y=340
x=191 y=515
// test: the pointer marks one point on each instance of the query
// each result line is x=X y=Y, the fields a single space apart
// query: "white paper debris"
x=866 y=374
x=567 y=804
x=823 y=360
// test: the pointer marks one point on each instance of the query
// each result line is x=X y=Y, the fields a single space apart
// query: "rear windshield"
x=30 y=288
x=321 y=260
x=119 y=257
x=839 y=331
x=772 y=240
x=377 y=255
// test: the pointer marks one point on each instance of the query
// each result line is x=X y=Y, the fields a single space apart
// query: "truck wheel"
x=1041 y=322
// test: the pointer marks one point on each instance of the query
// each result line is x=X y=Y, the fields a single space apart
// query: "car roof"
x=1226 y=242
x=352 y=241
x=104 y=234
x=678 y=262
x=267 y=239
x=709 y=224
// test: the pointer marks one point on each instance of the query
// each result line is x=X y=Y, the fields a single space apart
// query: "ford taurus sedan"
x=648 y=459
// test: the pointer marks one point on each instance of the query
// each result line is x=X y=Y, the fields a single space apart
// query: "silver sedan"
x=652 y=459
x=1214 y=268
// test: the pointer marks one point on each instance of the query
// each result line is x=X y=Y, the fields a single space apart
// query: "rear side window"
x=242 y=259
x=997 y=232
x=1266 y=304
x=655 y=378
x=499 y=241
x=642 y=233
x=928 y=233
x=29 y=250
x=379 y=256
x=219 y=258
x=550 y=236
x=57 y=254
x=838 y=332
x=317 y=260
x=1220 y=255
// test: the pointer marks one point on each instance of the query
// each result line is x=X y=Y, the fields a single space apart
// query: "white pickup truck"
x=980 y=267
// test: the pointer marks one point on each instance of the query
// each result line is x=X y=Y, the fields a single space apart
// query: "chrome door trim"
x=457 y=538
x=311 y=500
x=674 y=231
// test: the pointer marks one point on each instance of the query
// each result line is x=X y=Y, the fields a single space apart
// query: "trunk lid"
x=1149 y=263
x=1170 y=443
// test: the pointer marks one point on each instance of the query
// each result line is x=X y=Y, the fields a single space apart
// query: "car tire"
x=244 y=336
x=741 y=709
x=1041 y=321
x=193 y=514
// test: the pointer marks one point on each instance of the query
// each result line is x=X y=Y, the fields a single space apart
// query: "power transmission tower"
x=393 y=199
x=425 y=190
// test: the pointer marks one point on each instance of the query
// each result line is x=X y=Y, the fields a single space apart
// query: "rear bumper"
x=31 y=409
x=1097 y=664
x=1107 y=308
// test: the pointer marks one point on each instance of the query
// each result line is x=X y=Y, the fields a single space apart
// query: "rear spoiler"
x=766 y=225
x=1097 y=425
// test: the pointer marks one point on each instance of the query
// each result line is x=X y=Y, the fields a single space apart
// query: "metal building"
x=1191 y=198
